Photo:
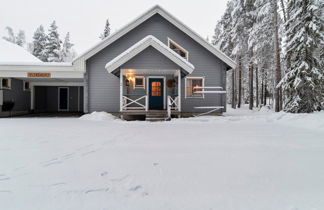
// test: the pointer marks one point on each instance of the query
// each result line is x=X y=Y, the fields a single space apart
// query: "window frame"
x=186 y=83
x=141 y=86
x=24 y=86
x=179 y=46
x=9 y=84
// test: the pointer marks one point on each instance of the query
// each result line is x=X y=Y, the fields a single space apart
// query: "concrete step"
x=156 y=117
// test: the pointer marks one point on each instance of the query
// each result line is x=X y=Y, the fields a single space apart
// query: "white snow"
x=10 y=52
x=244 y=160
x=98 y=116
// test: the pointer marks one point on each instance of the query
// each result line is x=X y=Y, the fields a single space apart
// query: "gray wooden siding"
x=17 y=95
x=46 y=99
x=150 y=58
x=103 y=87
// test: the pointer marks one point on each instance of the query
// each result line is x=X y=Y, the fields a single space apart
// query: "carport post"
x=32 y=97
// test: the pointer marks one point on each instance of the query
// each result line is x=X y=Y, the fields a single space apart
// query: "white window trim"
x=6 y=88
x=186 y=51
x=24 y=82
x=203 y=84
x=139 y=87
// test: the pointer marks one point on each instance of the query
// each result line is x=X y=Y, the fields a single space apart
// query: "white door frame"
x=59 y=92
x=164 y=89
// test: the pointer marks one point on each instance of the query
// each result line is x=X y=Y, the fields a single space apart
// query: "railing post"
x=146 y=103
x=169 y=107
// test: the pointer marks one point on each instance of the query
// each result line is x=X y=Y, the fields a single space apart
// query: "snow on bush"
x=98 y=116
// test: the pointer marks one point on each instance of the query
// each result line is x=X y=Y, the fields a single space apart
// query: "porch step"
x=154 y=117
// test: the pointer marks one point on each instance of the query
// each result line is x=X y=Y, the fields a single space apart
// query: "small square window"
x=26 y=86
x=6 y=83
x=139 y=82
x=193 y=87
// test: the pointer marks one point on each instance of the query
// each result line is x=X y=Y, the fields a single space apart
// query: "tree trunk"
x=257 y=86
x=240 y=84
x=277 y=91
x=262 y=85
x=265 y=90
x=233 y=89
x=251 y=86
x=283 y=10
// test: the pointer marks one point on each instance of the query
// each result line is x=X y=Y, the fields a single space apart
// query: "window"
x=156 y=88
x=26 y=86
x=6 y=83
x=139 y=82
x=178 y=49
x=192 y=86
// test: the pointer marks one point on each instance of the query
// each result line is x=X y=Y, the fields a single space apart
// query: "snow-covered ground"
x=242 y=161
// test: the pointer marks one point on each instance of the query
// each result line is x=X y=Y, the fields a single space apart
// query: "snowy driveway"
x=244 y=161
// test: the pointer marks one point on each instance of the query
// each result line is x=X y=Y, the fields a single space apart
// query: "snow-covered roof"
x=155 y=10
x=12 y=53
x=142 y=45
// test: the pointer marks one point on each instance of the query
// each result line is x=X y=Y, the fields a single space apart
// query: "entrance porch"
x=150 y=93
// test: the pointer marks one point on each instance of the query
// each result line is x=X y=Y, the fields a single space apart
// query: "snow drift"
x=98 y=116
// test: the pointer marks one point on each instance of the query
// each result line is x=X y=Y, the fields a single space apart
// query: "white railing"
x=173 y=104
x=134 y=103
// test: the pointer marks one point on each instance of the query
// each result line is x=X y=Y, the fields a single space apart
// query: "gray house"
x=153 y=66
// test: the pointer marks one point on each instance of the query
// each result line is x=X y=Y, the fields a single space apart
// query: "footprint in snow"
x=5 y=191
x=88 y=153
x=58 y=184
x=97 y=190
x=137 y=187
x=104 y=173
x=52 y=163
x=4 y=178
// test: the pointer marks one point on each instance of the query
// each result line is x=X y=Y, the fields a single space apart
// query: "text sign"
x=35 y=74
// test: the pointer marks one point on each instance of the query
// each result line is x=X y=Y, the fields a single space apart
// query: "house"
x=155 y=64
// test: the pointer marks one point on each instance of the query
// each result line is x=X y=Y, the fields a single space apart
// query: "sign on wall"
x=38 y=74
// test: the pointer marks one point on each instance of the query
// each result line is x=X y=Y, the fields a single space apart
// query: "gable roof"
x=156 y=10
x=144 y=44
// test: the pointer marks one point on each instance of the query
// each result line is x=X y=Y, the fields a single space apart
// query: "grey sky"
x=85 y=19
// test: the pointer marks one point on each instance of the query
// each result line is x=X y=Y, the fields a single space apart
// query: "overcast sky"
x=85 y=19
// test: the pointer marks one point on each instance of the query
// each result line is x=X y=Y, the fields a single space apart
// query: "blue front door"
x=155 y=93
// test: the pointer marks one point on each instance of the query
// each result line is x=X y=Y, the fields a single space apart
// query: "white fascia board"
x=156 y=9
x=142 y=45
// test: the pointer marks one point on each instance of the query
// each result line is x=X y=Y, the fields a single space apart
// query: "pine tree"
x=53 y=45
x=11 y=35
x=106 y=32
x=303 y=84
x=66 y=53
x=39 y=44
x=21 y=38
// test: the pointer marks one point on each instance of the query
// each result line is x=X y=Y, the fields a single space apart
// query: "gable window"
x=139 y=82
x=192 y=87
x=6 y=83
x=26 y=86
x=178 y=49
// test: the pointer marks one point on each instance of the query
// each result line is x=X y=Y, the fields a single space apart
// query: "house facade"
x=153 y=64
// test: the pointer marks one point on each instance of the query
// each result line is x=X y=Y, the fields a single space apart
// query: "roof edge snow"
x=144 y=44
